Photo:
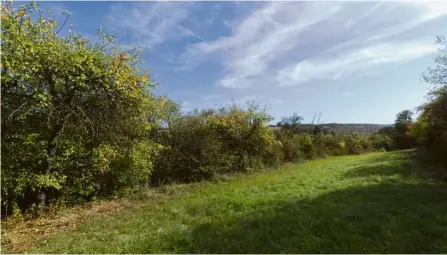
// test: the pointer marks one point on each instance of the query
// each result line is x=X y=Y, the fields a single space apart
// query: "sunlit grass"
x=374 y=203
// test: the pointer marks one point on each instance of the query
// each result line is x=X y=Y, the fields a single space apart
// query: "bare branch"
x=63 y=25
x=13 y=112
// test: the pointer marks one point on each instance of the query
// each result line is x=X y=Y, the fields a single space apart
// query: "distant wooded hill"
x=342 y=127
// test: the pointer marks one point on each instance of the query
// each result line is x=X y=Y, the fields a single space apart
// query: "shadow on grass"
x=402 y=218
x=400 y=163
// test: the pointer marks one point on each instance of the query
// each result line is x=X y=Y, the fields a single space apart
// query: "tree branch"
x=63 y=25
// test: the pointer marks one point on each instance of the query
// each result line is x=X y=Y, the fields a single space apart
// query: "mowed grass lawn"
x=374 y=203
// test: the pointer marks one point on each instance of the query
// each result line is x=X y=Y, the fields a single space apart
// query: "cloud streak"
x=291 y=43
x=260 y=38
x=361 y=59
x=150 y=24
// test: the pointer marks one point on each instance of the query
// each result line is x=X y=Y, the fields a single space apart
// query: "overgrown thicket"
x=429 y=131
x=80 y=121
x=74 y=114
x=401 y=133
x=298 y=144
x=430 y=128
x=199 y=145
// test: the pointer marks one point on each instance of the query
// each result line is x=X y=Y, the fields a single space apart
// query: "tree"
x=171 y=112
x=403 y=125
x=292 y=120
x=66 y=102
x=403 y=121
x=437 y=75
x=291 y=123
x=432 y=123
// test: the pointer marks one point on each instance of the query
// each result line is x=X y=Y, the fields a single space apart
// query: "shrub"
x=307 y=146
x=275 y=156
x=201 y=145
x=431 y=126
x=72 y=104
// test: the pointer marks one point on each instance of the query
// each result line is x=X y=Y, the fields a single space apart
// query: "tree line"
x=80 y=121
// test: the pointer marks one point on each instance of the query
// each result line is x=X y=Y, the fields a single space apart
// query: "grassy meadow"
x=374 y=203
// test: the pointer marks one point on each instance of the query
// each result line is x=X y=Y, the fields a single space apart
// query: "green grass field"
x=374 y=203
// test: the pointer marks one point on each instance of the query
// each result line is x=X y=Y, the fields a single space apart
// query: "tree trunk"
x=51 y=154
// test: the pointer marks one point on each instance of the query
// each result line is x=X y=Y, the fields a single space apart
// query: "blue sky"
x=356 y=62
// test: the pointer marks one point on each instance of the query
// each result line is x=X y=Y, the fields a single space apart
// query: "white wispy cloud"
x=428 y=10
x=347 y=93
x=149 y=24
x=432 y=9
x=190 y=32
x=361 y=59
x=283 y=43
x=261 y=37
x=352 y=22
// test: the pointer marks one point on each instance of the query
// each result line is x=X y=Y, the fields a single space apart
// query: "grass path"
x=374 y=203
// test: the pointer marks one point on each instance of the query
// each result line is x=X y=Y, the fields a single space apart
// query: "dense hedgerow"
x=299 y=146
x=199 y=145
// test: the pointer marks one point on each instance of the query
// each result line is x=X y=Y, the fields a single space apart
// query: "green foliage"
x=437 y=75
x=404 y=121
x=66 y=101
x=431 y=126
x=305 y=141
x=340 y=128
x=306 y=146
x=291 y=123
x=201 y=145
x=403 y=125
